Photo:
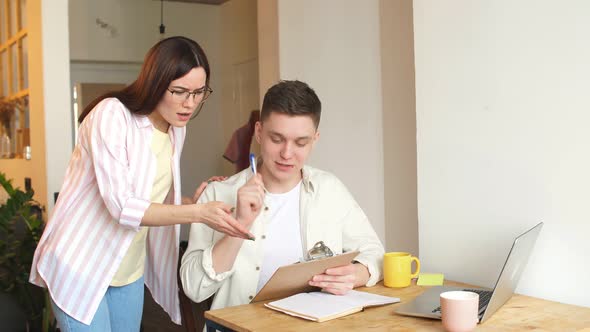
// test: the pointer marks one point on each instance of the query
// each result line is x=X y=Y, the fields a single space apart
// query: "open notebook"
x=319 y=307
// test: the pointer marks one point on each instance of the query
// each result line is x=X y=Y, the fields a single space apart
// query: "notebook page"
x=365 y=299
x=316 y=305
x=320 y=306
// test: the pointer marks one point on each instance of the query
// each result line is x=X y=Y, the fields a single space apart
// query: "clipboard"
x=292 y=279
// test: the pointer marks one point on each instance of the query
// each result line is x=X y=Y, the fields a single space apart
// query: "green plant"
x=21 y=226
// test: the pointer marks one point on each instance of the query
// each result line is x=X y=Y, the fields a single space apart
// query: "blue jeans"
x=120 y=310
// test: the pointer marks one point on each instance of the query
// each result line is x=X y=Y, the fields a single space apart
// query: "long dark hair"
x=168 y=60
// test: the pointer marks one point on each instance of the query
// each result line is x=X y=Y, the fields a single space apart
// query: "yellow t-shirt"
x=132 y=265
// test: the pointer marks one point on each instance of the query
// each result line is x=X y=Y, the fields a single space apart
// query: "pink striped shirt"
x=104 y=196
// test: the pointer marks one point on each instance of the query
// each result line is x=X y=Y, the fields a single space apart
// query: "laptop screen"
x=512 y=270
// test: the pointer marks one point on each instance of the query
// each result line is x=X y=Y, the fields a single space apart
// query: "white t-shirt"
x=282 y=242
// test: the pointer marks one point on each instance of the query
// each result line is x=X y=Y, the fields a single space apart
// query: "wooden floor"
x=155 y=319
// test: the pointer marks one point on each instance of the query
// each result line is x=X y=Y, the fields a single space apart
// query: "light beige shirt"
x=328 y=213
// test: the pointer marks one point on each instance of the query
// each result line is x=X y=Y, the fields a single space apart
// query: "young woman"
x=100 y=245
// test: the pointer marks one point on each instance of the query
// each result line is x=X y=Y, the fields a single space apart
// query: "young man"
x=288 y=206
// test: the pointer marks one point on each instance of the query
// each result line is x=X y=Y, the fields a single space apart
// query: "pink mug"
x=459 y=310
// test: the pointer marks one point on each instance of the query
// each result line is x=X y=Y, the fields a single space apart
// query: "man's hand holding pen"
x=250 y=200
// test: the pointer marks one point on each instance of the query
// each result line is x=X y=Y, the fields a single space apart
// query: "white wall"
x=238 y=71
x=56 y=93
x=268 y=44
x=135 y=23
x=399 y=126
x=333 y=45
x=103 y=72
x=502 y=116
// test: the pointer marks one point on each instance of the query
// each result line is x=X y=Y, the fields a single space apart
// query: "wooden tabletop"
x=518 y=314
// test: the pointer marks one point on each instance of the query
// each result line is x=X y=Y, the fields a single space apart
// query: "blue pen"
x=253 y=163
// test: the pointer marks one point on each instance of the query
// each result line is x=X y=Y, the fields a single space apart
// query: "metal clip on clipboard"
x=318 y=251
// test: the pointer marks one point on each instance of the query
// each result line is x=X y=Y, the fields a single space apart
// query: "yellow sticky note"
x=430 y=279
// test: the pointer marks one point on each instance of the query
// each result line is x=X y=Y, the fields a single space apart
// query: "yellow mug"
x=397 y=269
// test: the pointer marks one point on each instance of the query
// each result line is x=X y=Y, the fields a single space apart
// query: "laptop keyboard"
x=484 y=299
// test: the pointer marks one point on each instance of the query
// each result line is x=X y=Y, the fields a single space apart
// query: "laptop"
x=490 y=300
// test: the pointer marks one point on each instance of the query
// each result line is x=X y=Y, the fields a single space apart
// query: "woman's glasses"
x=199 y=96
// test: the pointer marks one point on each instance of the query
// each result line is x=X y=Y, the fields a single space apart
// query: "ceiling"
x=207 y=2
